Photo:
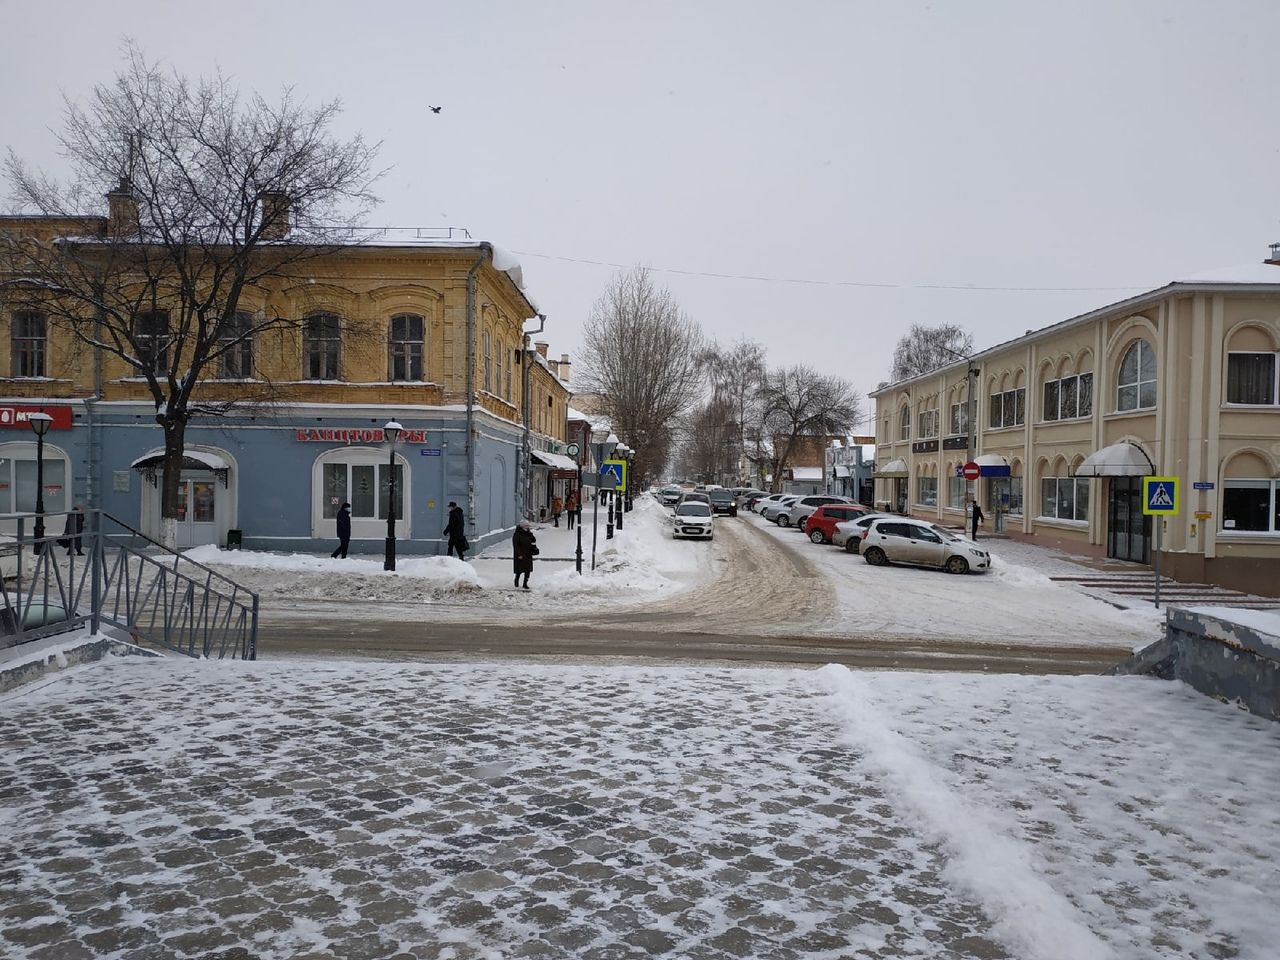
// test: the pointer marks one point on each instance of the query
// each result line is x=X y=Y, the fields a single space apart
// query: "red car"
x=821 y=524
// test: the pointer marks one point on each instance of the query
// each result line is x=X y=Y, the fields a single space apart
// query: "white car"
x=692 y=521
x=902 y=540
x=848 y=533
x=778 y=510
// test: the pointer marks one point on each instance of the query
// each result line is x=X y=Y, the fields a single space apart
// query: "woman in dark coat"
x=524 y=547
x=344 y=532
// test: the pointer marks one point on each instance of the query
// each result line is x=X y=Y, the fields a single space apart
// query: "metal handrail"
x=130 y=588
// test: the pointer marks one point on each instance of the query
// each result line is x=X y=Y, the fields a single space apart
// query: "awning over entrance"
x=1122 y=459
x=556 y=461
x=894 y=469
x=993 y=465
x=191 y=460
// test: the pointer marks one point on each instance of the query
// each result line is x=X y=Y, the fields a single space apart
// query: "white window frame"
x=362 y=528
x=1075 y=517
x=1057 y=414
x=1273 y=528
x=21 y=450
x=904 y=422
x=927 y=491
x=1138 y=384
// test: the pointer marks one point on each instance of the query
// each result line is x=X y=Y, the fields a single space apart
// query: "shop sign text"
x=354 y=435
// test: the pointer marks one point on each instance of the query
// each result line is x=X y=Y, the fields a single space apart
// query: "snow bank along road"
x=297 y=808
x=756 y=592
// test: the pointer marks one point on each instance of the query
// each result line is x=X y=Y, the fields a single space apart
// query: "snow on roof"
x=1245 y=273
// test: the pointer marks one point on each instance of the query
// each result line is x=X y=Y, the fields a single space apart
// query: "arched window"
x=321 y=337
x=488 y=361
x=18 y=471
x=511 y=362
x=1136 y=384
x=405 y=347
x=904 y=423
x=499 y=355
x=1250 y=495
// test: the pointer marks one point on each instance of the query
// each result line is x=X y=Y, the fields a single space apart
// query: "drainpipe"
x=486 y=251
x=526 y=409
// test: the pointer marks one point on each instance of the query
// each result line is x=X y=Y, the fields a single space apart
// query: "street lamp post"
x=602 y=450
x=40 y=424
x=392 y=432
x=574 y=452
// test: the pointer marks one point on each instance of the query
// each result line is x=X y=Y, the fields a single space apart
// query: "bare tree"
x=736 y=374
x=711 y=442
x=800 y=402
x=641 y=353
x=922 y=349
x=204 y=187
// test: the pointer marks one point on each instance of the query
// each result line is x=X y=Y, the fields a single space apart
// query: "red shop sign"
x=354 y=435
x=18 y=417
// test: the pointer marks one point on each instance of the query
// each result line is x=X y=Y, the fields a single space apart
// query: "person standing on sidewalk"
x=977 y=519
x=571 y=508
x=557 y=506
x=524 y=547
x=456 y=531
x=344 y=532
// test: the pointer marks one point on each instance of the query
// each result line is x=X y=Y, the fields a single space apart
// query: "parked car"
x=747 y=498
x=900 y=540
x=670 y=495
x=802 y=509
x=722 y=501
x=766 y=500
x=778 y=508
x=692 y=521
x=821 y=524
x=848 y=533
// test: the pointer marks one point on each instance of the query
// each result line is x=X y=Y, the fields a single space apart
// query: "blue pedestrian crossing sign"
x=619 y=470
x=1160 y=496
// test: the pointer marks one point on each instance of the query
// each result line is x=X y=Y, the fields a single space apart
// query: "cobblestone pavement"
x=206 y=810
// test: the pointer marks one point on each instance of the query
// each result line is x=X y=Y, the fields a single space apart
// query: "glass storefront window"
x=363 y=490
x=335 y=489
x=24 y=486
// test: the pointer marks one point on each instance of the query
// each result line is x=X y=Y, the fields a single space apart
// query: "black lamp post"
x=392 y=432
x=602 y=451
x=40 y=424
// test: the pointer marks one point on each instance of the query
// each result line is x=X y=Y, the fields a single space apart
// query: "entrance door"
x=197 y=517
x=1128 y=528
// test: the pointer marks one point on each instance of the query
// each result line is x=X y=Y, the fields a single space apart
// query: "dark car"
x=722 y=501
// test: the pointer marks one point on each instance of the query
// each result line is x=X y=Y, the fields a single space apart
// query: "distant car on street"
x=692 y=521
x=670 y=495
x=900 y=540
x=693 y=496
x=722 y=501
x=821 y=524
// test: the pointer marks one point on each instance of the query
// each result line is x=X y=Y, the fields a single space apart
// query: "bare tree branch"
x=922 y=349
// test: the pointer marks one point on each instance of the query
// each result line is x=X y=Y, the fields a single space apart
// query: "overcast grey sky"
x=914 y=145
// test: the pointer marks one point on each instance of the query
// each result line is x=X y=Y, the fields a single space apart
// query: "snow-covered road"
x=187 y=809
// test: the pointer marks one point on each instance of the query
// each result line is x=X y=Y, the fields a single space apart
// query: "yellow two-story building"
x=1182 y=381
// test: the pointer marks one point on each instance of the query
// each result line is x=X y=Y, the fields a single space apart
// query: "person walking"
x=571 y=508
x=524 y=547
x=73 y=531
x=557 y=506
x=344 y=532
x=977 y=519
x=455 y=530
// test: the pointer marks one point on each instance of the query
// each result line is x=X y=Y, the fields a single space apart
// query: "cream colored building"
x=1181 y=381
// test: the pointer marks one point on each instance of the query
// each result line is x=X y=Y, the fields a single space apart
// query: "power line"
x=837 y=283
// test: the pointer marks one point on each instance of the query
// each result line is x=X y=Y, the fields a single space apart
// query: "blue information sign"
x=1203 y=485
x=430 y=451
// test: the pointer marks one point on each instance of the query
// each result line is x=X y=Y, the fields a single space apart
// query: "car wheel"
x=851 y=545
x=875 y=556
x=783 y=520
x=957 y=565
x=817 y=537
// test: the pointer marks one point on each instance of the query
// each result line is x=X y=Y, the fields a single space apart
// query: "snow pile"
x=305 y=576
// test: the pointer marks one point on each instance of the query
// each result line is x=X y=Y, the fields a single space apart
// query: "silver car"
x=848 y=533
x=805 y=507
x=901 y=540
x=692 y=521
x=778 y=508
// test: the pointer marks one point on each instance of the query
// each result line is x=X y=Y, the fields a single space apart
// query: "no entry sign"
x=971 y=471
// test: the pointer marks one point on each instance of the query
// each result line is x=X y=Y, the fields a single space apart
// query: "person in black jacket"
x=344 y=532
x=524 y=547
x=455 y=530
x=977 y=519
x=71 y=534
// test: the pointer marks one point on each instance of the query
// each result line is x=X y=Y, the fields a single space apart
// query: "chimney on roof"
x=275 y=214
x=542 y=349
x=1275 y=254
x=564 y=367
x=122 y=209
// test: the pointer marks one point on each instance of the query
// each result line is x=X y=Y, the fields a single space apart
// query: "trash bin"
x=233 y=539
